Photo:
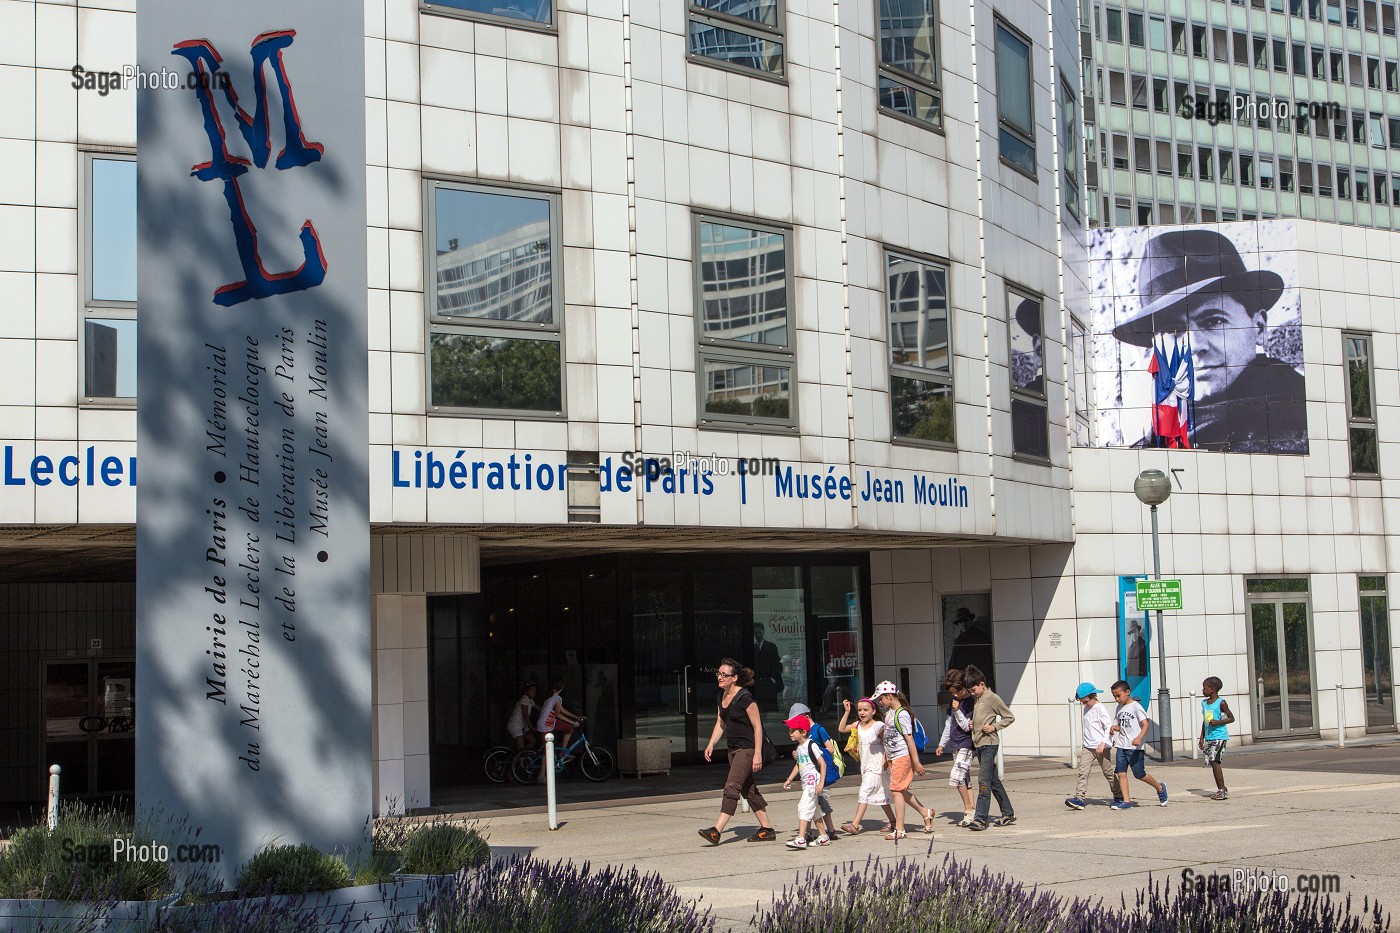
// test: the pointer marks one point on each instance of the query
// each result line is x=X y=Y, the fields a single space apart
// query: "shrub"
x=950 y=897
x=443 y=849
x=292 y=870
x=74 y=862
x=525 y=894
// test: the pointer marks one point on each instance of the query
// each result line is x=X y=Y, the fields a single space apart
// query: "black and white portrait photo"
x=1198 y=338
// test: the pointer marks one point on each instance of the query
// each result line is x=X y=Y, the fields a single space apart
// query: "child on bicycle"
x=554 y=717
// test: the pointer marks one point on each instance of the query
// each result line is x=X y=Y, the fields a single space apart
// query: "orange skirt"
x=901 y=773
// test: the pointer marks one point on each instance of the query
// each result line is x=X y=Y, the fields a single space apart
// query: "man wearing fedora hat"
x=1194 y=281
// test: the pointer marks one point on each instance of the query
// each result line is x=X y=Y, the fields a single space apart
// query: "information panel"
x=253 y=629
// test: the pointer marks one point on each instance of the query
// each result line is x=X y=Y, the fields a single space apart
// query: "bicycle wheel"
x=596 y=763
x=496 y=762
x=525 y=766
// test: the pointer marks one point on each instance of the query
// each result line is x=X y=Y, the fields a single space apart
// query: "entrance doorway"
x=1375 y=656
x=90 y=724
x=1283 y=684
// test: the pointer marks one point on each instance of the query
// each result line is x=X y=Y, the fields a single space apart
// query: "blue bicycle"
x=595 y=762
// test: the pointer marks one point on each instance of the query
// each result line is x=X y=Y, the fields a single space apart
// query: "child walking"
x=1215 y=716
x=811 y=765
x=823 y=739
x=902 y=758
x=1129 y=730
x=989 y=716
x=874 y=778
x=1096 y=748
x=957 y=738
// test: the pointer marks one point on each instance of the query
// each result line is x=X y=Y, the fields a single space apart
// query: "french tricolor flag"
x=1174 y=375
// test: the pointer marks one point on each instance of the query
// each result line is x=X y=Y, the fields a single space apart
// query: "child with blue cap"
x=1097 y=747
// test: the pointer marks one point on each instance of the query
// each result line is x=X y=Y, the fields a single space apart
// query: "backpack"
x=833 y=772
x=918 y=738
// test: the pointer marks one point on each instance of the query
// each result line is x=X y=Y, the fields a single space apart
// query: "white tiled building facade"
x=949 y=171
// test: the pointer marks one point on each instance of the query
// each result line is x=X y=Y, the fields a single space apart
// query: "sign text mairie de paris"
x=253 y=631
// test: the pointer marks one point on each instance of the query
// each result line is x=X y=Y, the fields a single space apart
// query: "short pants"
x=515 y=731
x=962 y=764
x=807 y=805
x=901 y=773
x=1134 y=758
x=874 y=787
x=1215 y=750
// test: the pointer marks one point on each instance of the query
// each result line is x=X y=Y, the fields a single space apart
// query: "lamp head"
x=1152 y=487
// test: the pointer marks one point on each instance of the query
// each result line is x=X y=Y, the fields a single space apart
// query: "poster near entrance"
x=780 y=653
x=253 y=631
x=1134 y=643
x=967 y=633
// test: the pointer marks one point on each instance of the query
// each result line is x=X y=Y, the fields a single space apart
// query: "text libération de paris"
x=525 y=473
x=271 y=482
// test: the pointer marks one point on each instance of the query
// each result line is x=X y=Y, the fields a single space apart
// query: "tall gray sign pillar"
x=253 y=609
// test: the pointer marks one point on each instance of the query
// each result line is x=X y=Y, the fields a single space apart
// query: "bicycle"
x=99 y=724
x=595 y=762
x=496 y=763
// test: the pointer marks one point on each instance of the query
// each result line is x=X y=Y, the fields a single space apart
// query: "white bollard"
x=1001 y=760
x=1341 y=718
x=54 y=772
x=549 y=779
x=1195 y=752
x=1075 y=749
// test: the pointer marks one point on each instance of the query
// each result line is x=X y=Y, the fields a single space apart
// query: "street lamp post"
x=1152 y=487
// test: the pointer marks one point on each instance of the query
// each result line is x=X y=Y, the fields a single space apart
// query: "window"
x=1363 y=186
x=1319 y=63
x=1120 y=151
x=744 y=279
x=1315 y=10
x=1178 y=37
x=1206 y=162
x=1139 y=83
x=109 y=280
x=1261 y=53
x=1144 y=213
x=1336 y=60
x=1160 y=100
x=1185 y=166
x=909 y=75
x=1227 y=167
x=1377 y=681
x=1393 y=125
x=1344 y=183
x=1113 y=19
x=1080 y=382
x=1395 y=190
x=1122 y=212
x=1300 y=59
x=1280 y=55
x=1301 y=121
x=1305 y=178
x=1261 y=113
x=1392 y=76
x=1164 y=157
x=921 y=355
x=1375 y=129
x=1361 y=408
x=1070 y=144
x=1117 y=89
x=1266 y=173
x=1142 y=154
x=1373 y=73
x=1334 y=12
x=1358 y=128
x=1285 y=174
x=1220 y=44
x=1014 y=105
x=1369 y=17
x=514 y=11
x=1388 y=19
x=1353 y=14
x=745 y=35
x=494 y=300
x=1324 y=181
x=1246 y=170
x=1135 y=31
x=1157 y=33
x=1198 y=41
x=1029 y=432
x=1379 y=187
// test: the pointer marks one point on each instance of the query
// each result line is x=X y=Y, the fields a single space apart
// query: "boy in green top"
x=990 y=715
x=1215 y=716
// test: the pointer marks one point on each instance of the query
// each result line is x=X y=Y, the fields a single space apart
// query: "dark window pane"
x=917 y=302
x=534 y=11
x=113 y=230
x=907 y=37
x=1029 y=434
x=736 y=48
x=743 y=282
x=759 y=11
x=496 y=372
x=109 y=358
x=1376 y=584
x=493 y=256
x=1014 y=81
x=921 y=409
x=1277 y=585
x=747 y=389
x=910 y=101
x=1365 y=456
x=1017 y=151
x=1359 y=376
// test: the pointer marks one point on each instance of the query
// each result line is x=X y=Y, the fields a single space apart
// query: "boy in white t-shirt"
x=1129 y=731
x=811 y=768
x=1097 y=746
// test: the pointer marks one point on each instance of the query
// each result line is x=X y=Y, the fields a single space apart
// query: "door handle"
x=680 y=693
x=685 y=695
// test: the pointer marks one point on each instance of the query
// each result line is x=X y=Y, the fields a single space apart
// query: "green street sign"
x=1158 y=594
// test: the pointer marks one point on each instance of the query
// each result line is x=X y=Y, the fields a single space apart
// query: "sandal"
x=850 y=829
x=928 y=821
x=895 y=835
x=887 y=828
x=1004 y=820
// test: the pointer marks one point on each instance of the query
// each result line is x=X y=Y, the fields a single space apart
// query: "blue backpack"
x=918 y=738
x=832 y=775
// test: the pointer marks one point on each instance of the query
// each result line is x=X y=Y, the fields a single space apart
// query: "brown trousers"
x=742 y=782
x=1087 y=759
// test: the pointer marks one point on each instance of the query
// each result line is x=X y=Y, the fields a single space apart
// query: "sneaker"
x=823 y=840
x=1122 y=805
x=764 y=834
x=710 y=835
x=798 y=843
x=1162 y=796
x=1074 y=803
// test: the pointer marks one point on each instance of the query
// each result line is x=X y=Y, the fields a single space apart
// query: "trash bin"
x=646 y=754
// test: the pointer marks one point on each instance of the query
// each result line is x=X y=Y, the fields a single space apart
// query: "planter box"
x=368 y=908
x=644 y=755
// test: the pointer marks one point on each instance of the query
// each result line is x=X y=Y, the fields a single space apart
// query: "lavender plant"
x=526 y=894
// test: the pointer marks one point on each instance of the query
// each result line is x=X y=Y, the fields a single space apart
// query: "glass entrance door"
x=1375 y=656
x=90 y=724
x=683 y=624
x=1285 y=698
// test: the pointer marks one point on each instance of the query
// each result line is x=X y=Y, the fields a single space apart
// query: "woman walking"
x=738 y=722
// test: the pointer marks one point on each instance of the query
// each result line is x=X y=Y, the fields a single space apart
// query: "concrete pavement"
x=1281 y=820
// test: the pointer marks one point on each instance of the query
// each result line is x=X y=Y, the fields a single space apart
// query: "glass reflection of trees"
x=495 y=372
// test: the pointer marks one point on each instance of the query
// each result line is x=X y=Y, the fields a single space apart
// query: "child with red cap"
x=811 y=766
